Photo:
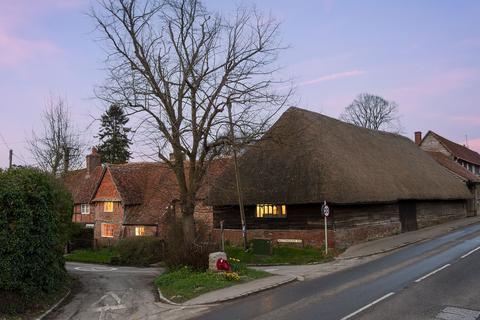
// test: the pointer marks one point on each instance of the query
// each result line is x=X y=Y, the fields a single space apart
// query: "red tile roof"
x=81 y=184
x=147 y=189
x=458 y=150
x=454 y=167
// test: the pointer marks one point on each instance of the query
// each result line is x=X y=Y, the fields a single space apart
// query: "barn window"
x=140 y=231
x=107 y=230
x=84 y=208
x=108 y=206
x=271 y=211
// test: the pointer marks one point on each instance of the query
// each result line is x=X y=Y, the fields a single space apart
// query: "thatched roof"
x=307 y=157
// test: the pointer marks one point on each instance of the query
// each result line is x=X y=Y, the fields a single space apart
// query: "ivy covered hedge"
x=35 y=215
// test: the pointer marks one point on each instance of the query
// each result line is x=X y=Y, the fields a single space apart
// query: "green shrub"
x=35 y=215
x=139 y=251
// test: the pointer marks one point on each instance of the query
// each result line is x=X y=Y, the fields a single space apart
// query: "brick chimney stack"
x=93 y=160
x=418 y=137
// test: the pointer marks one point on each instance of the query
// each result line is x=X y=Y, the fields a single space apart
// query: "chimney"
x=418 y=137
x=93 y=160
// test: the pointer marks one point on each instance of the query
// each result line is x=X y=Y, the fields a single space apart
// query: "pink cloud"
x=469 y=120
x=21 y=15
x=14 y=50
x=333 y=76
x=437 y=84
x=474 y=144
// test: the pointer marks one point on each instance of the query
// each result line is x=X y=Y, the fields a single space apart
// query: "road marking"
x=368 y=306
x=95 y=269
x=432 y=273
x=469 y=253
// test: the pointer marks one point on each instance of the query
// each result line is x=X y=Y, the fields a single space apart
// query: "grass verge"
x=184 y=284
x=281 y=255
x=103 y=255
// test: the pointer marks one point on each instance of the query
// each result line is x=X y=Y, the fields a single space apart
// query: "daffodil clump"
x=232 y=276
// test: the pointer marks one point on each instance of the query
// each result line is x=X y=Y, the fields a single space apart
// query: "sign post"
x=325 y=213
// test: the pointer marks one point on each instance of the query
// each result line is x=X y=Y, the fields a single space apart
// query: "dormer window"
x=85 y=208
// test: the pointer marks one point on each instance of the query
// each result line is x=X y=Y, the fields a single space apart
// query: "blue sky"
x=422 y=54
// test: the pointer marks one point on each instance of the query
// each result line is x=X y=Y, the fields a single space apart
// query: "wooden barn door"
x=408 y=215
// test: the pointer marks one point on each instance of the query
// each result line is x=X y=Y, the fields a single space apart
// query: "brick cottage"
x=376 y=183
x=131 y=199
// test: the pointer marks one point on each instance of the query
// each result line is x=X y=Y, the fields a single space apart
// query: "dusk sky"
x=425 y=55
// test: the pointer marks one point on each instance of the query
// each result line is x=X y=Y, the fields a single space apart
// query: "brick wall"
x=314 y=238
x=115 y=217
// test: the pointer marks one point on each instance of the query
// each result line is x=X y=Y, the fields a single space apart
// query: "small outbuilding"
x=376 y=184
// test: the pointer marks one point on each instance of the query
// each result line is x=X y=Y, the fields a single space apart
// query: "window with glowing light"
x=271 y=211
x=107 y=230
x=139 y=231
x=108 y=206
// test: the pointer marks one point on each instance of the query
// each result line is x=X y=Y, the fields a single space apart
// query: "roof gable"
x=106 y=189
x=458 y=150
x=307 y=157
x=454 y=167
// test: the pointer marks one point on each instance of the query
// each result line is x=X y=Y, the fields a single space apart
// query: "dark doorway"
x=408 y=215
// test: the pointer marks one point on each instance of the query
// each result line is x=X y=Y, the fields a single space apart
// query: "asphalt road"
x=392 y=287
x=105 y=292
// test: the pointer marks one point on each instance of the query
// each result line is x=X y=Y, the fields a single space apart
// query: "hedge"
x=35 y=215
x=139 y=251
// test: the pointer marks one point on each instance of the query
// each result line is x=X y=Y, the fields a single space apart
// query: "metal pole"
x=326 y=237
x=237 y=177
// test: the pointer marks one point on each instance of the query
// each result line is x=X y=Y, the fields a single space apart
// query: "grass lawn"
x=93 y=256
x=184 y=284
x=281 y=255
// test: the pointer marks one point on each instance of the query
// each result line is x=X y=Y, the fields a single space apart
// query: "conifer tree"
x=114 y=142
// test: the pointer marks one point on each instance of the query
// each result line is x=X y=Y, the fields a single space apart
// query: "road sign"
x=325 y=209
x=325 y=213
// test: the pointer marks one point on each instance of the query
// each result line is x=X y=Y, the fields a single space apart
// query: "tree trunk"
x=188 y=222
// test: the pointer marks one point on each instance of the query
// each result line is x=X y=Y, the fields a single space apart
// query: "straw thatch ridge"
x=307 y=157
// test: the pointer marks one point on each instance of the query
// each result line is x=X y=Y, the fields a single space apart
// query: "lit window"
x=89 y=225
x=107 y=230
x=108 y=206
x=271 y=211
x=139 y=231
x=84 y=208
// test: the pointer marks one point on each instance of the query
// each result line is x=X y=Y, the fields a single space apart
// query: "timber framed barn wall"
x=376 y=184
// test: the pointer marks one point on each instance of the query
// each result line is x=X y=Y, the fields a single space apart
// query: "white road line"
x=469 y=253
x=432 y=273
x=368 y=306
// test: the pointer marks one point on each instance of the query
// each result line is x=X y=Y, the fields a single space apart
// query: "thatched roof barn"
x=306 y=158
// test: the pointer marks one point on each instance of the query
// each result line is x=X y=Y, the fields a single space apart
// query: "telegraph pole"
x=237 y=177
x=10 y=159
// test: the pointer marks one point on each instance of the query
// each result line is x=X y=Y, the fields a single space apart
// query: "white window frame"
x=89 y=225
x=85 y=208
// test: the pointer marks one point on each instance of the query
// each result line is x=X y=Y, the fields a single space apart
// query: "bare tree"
x=373 y=112
x=58 y=148
x=177 y=66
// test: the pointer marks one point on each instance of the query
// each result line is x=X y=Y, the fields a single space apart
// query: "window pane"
x=108 y=206
x=139 y=231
